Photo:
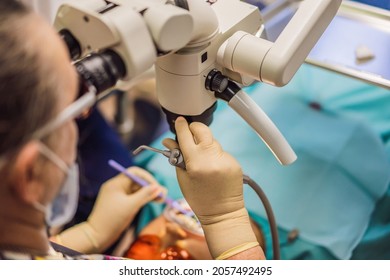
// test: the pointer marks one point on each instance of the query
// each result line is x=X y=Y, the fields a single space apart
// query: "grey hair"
x=27 y=88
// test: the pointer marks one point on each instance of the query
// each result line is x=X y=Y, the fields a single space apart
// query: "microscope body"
x=181 y=76
x=199 y=49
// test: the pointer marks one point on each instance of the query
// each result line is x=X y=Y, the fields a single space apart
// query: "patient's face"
x=166 y=240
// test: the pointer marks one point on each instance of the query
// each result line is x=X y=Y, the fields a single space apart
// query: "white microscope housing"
x=197 y=47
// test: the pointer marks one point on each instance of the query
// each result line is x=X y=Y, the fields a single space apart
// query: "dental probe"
x=144 y=183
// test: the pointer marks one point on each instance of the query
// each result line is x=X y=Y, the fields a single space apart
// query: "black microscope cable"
x=270 y=215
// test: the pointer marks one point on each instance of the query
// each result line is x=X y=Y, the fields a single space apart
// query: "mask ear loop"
x=71 y=192
x=49 y=154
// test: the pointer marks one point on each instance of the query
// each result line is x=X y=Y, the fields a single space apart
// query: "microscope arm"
x=276 y=63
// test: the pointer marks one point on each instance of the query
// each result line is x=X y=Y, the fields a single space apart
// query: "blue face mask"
x=62 y=209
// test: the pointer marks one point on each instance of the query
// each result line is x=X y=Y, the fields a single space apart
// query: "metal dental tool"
x=174 y=156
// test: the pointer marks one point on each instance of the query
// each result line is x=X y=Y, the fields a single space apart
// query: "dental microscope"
x=199 y=51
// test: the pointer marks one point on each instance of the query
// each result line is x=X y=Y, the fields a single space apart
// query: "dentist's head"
x=37 y=133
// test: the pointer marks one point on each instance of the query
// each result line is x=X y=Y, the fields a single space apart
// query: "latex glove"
x=118 y=201
x=213 y=186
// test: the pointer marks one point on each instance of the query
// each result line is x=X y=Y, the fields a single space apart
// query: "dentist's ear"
x=22 y=176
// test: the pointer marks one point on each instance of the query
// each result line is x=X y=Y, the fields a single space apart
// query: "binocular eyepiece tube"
x=101 y=70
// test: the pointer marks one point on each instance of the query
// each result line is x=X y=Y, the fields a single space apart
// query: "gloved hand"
x=212 y=184
x=118 y=202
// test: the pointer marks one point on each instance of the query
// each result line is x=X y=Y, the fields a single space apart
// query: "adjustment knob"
x=215 y=81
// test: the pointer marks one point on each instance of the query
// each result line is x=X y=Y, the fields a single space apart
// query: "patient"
x=176 y=236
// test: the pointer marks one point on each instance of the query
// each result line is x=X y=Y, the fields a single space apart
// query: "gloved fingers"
x=184 y=136
x=123 y=184
x=162 y=195
x=201 y=133
x=142 y=173
x=118 y=183
x=170 y=143
x=145 y=195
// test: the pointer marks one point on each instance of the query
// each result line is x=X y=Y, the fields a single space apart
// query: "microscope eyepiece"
x=102 y=70
x=72 y=44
